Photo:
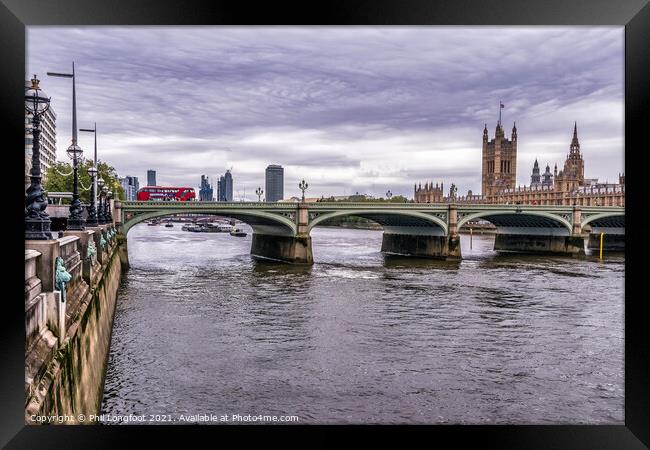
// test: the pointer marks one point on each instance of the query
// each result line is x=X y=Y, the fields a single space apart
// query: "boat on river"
x=217 y=228
x=237 y=232
x=169 y=225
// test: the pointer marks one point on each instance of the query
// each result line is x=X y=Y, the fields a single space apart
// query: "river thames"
x=202 y=328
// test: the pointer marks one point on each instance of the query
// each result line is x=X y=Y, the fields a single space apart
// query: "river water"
x=200 y=328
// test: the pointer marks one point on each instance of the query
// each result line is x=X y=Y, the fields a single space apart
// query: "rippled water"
x=201 y=328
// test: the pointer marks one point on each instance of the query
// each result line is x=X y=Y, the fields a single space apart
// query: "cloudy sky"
x=349 y=109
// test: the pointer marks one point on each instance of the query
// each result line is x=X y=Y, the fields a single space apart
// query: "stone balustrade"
x=35 y=319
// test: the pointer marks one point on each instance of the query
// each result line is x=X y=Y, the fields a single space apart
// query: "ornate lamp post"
x=259 y=193
x=107 y=207
x=101 y=218
x=92 y=212
x=75 y=221
x=389 y=195
x=303 y=187
x=37 y=221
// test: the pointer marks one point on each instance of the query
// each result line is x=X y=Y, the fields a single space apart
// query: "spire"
x=575 y=145
x=500 y=108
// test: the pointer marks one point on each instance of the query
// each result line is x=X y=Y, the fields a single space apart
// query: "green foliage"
x=360 y=199
x=55 y=182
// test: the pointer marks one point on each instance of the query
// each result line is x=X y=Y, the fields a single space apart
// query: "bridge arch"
x=524 y=219
x=610 y=218
x=261 y=221
x=389 y=219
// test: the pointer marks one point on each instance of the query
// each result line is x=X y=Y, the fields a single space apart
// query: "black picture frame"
x=15 y=15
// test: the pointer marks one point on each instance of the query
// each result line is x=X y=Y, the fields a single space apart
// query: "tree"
x=58 y=178
x=358 y=199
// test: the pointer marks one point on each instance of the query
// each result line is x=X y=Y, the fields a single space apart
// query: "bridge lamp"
x=303 y=187
x=389 y=195
x=259 y=193
x=37 y=221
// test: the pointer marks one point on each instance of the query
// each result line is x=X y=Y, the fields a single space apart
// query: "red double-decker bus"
x=166 y=193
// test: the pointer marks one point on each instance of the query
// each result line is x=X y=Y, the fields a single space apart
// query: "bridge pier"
x=611 y=241
x=289 y=249
x=423 y=246
x=530 y=243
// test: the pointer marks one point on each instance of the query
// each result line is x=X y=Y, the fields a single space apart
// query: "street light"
x=101 y=217
x=109 y=215
x=75 y=221
x=259 y=193
x=37 y=221
x=92 y=212
x=303 y=187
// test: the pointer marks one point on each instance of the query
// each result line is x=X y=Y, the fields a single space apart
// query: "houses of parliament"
x=499 y=173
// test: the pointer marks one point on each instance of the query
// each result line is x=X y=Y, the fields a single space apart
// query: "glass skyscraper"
x=224 y=188
x=274 y=186
x=131 y=186
x=151 y=177
x=205 y=193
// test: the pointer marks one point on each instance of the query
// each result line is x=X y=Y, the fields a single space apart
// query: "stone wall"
x=67 y=373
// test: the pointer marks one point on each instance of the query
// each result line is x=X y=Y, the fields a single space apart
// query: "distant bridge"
x=281 y=231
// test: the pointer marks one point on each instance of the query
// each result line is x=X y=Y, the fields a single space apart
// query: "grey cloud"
x=356 y=86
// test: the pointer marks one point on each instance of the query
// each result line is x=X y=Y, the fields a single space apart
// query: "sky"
x=349 y=109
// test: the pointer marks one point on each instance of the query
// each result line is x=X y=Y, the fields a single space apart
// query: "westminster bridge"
x=281 y=231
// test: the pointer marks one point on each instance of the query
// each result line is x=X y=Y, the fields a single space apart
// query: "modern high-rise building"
x=206 y=191
x=224 y=188
x=151 y=177
x=131 y=186
x=48 y=141
x=274 y=183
